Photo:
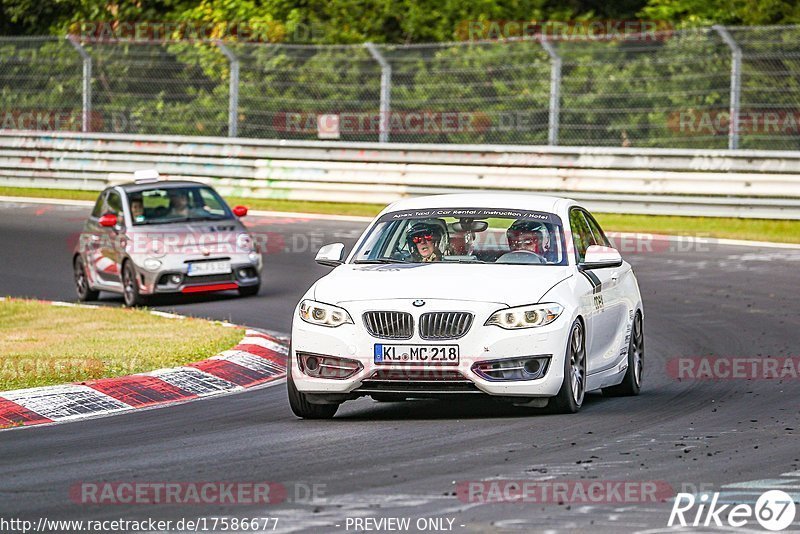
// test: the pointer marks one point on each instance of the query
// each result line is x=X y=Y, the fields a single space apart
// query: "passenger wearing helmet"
x=530 y=237
x=423 y=242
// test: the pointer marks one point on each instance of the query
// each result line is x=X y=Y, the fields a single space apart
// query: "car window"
x=97 y=211
x=465 y=235
x=210 y=202
x=599 y=236
x=113 y=203
x=178 y=204
x=582 y=236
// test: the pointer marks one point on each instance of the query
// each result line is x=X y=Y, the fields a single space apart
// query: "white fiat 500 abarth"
x=515 y=296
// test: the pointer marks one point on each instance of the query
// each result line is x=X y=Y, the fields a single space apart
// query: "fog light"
x=333 y=367
x=175 y=279
x=520 y=368
x=532 y=367
x=242 y=273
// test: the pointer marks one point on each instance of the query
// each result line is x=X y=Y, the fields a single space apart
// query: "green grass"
x=301 y=206
x=47 y=193
x=298 y=206
x=42 y=344
x=784 y=231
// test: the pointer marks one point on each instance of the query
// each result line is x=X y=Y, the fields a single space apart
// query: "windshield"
x=177 y=204
x=465 y=235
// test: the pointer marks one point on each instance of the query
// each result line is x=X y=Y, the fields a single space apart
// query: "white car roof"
x=517 y=201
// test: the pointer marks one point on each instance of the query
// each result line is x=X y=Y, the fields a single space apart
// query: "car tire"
x=573 y=389
x=130 y=287
x=304 y=409
x=632 y=381
x=249 y=291
x=82 y=287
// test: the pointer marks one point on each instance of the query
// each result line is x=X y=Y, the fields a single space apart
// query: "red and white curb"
x=258 y=359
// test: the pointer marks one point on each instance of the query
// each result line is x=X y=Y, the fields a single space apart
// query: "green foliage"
x=383 y=21
x=616 y=93
x=706 y=12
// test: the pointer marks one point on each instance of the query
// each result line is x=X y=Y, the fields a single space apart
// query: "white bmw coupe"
x=515 y=296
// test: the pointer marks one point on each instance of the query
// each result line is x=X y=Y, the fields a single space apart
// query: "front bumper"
x=245 y=271
x=481 y=343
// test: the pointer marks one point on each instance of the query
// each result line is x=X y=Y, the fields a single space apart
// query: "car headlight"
x=244 y=242
x=529 y=316
x=323 y=314
x=152 y=264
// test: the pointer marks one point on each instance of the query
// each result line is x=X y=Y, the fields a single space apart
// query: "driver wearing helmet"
x=423 y=242
x=529 y=236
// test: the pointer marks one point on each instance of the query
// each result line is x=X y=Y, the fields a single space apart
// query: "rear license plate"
x=209 y=267
x=416 y=354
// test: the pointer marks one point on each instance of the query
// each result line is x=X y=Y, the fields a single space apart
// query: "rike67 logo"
x=774 y=510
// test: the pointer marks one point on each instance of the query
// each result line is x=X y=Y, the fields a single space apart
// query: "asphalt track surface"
x=382 y=460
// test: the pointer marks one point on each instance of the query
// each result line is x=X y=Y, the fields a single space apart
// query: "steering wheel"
x=521 y=256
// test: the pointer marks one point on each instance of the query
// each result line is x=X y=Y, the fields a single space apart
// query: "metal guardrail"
x=757 y=184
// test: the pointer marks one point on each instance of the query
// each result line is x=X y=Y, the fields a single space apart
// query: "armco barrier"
x=758 y=184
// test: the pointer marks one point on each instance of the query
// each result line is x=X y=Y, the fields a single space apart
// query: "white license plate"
x=209 y=267
x=416 y=354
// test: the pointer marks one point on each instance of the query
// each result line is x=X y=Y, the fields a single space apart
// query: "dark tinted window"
x=581 y=234
x=599 y=236
x=114 y=203
x=98 y=206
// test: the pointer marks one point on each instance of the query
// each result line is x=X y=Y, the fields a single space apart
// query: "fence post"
x=86 y=91
x=555 y=91
x=386 y=91
x=736 y=85
x=233 y=90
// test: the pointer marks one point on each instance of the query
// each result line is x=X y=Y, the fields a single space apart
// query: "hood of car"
x=200 y=227
x=218 y=237
x=502 y=284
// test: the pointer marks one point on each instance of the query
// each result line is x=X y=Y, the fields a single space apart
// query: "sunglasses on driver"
x=417 y=239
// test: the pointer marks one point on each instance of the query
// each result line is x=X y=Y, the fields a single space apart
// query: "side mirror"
x=331 y=255
x=240 y=211
x=108 y=220
x=598 y=257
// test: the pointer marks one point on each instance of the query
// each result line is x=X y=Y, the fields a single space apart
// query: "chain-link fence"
x=671 y=89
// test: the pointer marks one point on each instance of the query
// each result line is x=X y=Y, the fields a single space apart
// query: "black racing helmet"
x=521 y=227
x=422 y=230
